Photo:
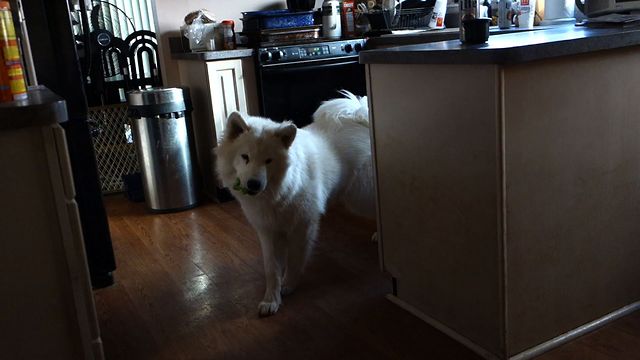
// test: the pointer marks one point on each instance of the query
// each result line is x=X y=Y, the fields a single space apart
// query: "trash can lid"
x=155 y=96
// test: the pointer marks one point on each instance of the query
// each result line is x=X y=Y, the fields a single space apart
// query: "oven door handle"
x=311 y=64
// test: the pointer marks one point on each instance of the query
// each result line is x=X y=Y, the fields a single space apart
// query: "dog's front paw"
x=268 y=308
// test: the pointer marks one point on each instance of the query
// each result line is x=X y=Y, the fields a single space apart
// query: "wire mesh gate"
x=113 y=144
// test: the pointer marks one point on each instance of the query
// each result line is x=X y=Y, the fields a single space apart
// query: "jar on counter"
x=474 y=29
x=468 y=11
x=228 y=35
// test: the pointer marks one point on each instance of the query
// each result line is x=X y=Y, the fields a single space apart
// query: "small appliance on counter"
x=593 y=8
x=331 y=21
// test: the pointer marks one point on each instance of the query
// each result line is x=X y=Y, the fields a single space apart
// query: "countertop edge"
x=478 y=54
x=214 y=55
x=447 y=34
x=43 y=107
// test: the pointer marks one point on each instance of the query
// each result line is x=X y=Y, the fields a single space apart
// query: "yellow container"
x=12 y=83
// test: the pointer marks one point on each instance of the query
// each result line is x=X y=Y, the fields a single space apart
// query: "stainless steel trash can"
x=158 y=119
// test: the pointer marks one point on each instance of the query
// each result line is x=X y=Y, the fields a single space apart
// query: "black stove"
x=294 y=79
x=309 y=50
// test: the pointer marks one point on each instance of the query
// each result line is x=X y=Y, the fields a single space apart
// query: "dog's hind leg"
x=274 y=256
x=301 y=241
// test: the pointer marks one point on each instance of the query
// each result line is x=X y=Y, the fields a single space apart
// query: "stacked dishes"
x=279 y=26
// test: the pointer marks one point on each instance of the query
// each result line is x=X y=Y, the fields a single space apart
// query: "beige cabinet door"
x=226 y=83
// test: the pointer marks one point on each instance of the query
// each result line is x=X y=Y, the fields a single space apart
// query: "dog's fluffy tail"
x=333 y=114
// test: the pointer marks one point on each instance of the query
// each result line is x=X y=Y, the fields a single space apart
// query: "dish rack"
x=412 y=18
x=400 y=19
x=292 y=35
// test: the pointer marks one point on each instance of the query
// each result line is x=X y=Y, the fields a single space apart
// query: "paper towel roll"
x=558 y=9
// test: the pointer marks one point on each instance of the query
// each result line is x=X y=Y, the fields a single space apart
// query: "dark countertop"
x=42 y=107
x=213 y=55
x=428 y=36
x=513 y=48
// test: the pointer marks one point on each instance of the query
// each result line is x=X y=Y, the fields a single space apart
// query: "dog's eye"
x=245 y=157
x=268 y=161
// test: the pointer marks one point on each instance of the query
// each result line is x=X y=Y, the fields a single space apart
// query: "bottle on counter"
x=437 y=16
x=331 y=27
x=348 y=18
x=504 y=14
x=468 y=11
x=228 y=35
x=527 y=14
x=486 y=5
x=12 y=82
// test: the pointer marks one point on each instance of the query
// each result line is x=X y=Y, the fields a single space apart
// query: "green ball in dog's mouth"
x=237 y=186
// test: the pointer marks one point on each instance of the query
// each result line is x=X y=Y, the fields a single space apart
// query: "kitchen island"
x=508 y=179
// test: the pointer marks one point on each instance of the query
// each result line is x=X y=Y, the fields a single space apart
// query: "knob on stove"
x=358 y=47
x=277 y=55
x=265 y=56
x=348 y=48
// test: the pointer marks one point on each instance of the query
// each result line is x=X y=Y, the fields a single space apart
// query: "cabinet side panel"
x=38 y=319
x=73 y=242
x=572 y=130
x=250 y=86
x=438 y=170
x=194 y=75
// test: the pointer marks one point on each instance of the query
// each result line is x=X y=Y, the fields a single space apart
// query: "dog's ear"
x=287 y=134
x=235 y=126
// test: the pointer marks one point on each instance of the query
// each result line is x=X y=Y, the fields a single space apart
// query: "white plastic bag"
x=200 y=31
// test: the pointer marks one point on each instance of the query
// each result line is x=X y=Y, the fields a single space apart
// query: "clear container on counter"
x=228 y=35
x=504 y=10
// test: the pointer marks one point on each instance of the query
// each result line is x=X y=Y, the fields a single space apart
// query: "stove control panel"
x=313 y=51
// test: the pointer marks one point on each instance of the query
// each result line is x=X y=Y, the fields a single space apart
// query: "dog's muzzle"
x=254 y=186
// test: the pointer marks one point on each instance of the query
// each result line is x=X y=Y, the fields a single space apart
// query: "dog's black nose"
x=254 y=185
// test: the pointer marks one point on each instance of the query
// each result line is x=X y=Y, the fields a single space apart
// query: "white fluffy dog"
x=283 y=178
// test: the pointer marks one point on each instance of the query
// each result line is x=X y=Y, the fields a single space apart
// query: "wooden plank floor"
x=188 y=285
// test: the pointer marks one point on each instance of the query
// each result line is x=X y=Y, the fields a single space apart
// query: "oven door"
x=293 y=91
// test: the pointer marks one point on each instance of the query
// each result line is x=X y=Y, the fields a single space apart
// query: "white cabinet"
x=217 y=88
x=226 y=84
